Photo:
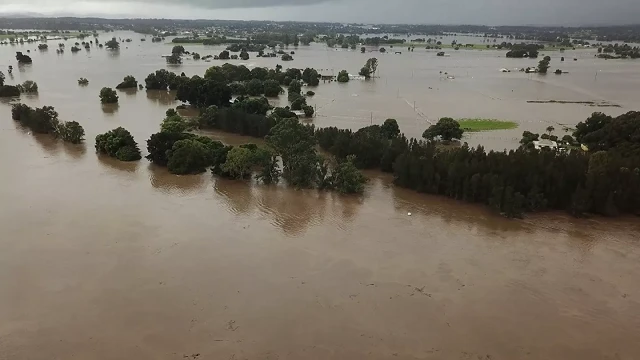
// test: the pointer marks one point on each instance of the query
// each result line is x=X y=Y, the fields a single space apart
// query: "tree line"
x=605 y=180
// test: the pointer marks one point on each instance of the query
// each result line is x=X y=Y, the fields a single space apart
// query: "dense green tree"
x=176 y=124
x=160 y=143
x=298 y=102
x=40 y=120
x=390 y=129
x=22 y=58
x=255 y=87
x=446 y=128
x=239 y=163
x=28 y=87
x=178 y=50
x=238 y=88
x=71 y=132
x=295 y=143
x=129 y=82
x=311 y=77
x=202 y=93
x=174 y=59
x=272 y=88
x=346 y=178
x=108 y=96
x=161 y=80
x=343 y=76
x=543 y=65
x=112 y=44
x=308 y=110
x=118 y=143
x=2 y=78
x=189 y=156
x=258 y=105
x=244 y=55
x=224 y=55
x=9 y=91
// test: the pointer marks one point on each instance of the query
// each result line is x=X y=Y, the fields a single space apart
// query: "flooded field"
x=107 y=260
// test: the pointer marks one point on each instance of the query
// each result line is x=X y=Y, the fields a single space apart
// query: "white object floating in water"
x=409 y=214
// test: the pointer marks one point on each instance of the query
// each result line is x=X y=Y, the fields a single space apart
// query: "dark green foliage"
x=129 y=82
x=343 y=76
x=28 y=87
x=108 y=96
x=174 y=59
x=310 y=93
x=22 y=58
x=9 y=91
x=178 y=49
x=162 y=80
x=255 y=87
x=295 y=143
x=259 y=106
x=447 y=129
x=191 y=156
x=390 y=129
x=308 y=110
x=236 y=121
x=294 y=90
x=118 y=143
x=272 y=88
x=524 y=50
x=159 y=143
x=238 y=88
x=71 y=132
x=2 y=78
x=543 y=65
x=224 y=55
x=620 y=134
x=202 y=93
x=298 y=102
x=40 y=120
x=112 y=44
x=346 y=178
x=311 y=77
x=244 y=55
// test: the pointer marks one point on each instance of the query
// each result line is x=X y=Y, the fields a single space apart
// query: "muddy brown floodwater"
x=105 y=260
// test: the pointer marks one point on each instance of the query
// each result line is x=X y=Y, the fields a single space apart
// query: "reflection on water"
x=47 y=142
x=162 y=97
x=75 y=151
x=161 y=179
x=129 y=92
x=117 y=165
x=110 y=109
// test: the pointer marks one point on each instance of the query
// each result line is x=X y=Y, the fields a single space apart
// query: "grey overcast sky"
x=489 y=12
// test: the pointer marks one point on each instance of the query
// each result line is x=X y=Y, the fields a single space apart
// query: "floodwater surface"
x=107 y=260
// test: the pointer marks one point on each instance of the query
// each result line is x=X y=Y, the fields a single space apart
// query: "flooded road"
x=105 y=260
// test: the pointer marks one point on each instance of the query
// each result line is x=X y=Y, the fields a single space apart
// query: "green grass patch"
x=473 y=125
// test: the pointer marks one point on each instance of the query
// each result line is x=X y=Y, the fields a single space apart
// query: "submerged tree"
x=108 y=96
x=118 y=143
x=343 y=76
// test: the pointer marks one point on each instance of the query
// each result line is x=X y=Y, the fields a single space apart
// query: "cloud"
x=487 y=12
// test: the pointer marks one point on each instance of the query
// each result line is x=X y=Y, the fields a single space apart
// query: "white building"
x=545 y=144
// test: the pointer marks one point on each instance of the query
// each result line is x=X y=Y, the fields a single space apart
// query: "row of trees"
x=606 y=180
x=45 y=121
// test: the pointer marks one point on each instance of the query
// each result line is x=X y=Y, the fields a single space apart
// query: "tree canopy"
x=118 y=143
x=447 y=129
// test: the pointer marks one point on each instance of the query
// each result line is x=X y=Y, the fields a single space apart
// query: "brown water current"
x=106 y=260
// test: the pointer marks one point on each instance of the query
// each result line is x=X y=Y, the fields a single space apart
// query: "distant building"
x=545 y=144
